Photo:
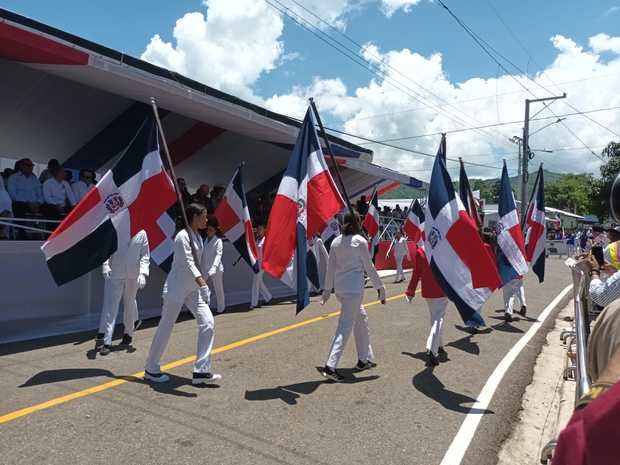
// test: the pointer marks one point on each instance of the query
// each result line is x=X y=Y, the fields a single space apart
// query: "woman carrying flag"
x=211 y=264
x=435 y=299
x=400 y=248
x=348 y=260
x=185 y=285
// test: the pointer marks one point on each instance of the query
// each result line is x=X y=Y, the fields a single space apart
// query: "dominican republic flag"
x=511 y=262
x=234 y=218
x=331 y=232
x=371 y=220
x=467 y=197
x=536 y=228
x=132 y=196
x=454 y=249
x=414 y=223
x=306 y=201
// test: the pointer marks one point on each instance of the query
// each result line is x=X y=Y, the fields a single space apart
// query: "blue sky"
x=279 y=64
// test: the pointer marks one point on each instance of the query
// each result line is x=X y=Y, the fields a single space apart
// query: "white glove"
x=106 y=272
x=381 y=292
x=205 y=294
x=325 y=297
x=141 y=281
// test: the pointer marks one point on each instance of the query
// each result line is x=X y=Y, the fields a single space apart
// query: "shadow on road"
x=505 y=327
x=291 y=392
x=466 y=344
x=428 y=384
x=472 y=331
x=68 y=374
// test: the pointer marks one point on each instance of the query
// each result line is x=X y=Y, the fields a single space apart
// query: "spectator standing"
x=47 y=172
x=203 y=197
x=25 y=190
x=83 y=185
x=362 y=206
x=398 y=213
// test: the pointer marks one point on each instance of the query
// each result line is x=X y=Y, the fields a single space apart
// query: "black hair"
x=351 y=224
x=192 y=210
x=213 y=222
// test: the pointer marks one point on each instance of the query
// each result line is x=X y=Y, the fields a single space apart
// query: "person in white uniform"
x=513 y=290
x=348 y=260
x=258 y=285
x=124 y=272
x=186 y=285
x=212 y=266
x=400 y=248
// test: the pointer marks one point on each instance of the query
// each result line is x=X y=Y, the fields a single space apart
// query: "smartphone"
x=597 y=253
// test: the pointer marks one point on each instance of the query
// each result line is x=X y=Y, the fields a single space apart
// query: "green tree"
x=489 y=189
x=601 y=188
x=571 y=192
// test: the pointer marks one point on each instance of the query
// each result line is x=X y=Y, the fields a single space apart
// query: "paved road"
x=272 y=406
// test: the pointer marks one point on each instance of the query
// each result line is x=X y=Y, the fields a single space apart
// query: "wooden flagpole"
x=174 y=180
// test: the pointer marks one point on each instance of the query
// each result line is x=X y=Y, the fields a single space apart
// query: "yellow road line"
x=177 y=363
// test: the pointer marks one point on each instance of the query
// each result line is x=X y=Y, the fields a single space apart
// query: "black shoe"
x=442 y=351
x=332 y=374
x=127 y=340
x=523 y=311
x=431 y=359
x=137 y=324
x=105 y=349
x=99 y=342
x=508 y=317
x=367 y=365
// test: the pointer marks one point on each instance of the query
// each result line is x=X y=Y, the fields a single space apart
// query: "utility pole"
x=526 y=150
x=518 y=140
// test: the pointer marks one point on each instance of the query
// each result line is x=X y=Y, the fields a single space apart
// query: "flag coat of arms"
x=234 y=220
x=134 y=195
x=511 y=261
x=306 y=201
x=454 y=249
x=536 y=228
x=414 y=223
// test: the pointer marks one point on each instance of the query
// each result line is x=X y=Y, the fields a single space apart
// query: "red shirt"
x=422 y=272
x=593 y=433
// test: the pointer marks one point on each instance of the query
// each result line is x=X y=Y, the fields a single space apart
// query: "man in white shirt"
x=25 y=190
x=47 y=172
x=83 y=185
x=58 y=196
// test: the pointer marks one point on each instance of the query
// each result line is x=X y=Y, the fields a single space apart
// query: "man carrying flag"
x=511 y=262
x=306 y=201
x=535 y=228
x=454 y=249
x=414 y=223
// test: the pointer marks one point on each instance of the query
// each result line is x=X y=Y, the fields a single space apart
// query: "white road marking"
x=455 y=453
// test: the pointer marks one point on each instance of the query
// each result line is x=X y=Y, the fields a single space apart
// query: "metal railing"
x=18 y=223
x=576 y=341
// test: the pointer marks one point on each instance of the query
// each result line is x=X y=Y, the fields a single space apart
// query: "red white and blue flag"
x=511 y=261
x=306 y=201
x=371 y=220
x=234 y=220
x=414 y=223
x=454 y=249
x=132 y=196
x=536 y=228
x=331 y=232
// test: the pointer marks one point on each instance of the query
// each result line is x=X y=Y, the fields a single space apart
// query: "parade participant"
x=258 y=286
x=436 y=301
x=348 y=260
x=400 y=248
x=124 y=272
x=512 y=290
x=185 y=285
x=211 y=263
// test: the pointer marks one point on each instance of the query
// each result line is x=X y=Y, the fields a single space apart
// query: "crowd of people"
x=47 y=198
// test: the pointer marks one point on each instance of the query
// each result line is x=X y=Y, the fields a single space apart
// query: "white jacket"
x=184 y=270
x=130 y=261
x=401 y=248
x=348 y=260
x=212 y=257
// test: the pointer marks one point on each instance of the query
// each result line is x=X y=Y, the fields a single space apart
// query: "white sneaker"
x=156 y=377
x=205 y=378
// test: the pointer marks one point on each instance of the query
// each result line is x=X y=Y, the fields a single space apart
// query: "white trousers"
x=400 y=274
x=512 y=290
x=217 y=284
x=437 y=310
x=113 y=291
x=352 y=317
x=258 y=288
x=206 y=332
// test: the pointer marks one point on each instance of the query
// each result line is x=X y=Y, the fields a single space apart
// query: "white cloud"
x=611 y=11
x=228 y=49
x=390 y=7
x=603 y=43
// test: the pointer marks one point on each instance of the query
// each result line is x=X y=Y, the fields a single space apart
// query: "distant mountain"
x=484 y=185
